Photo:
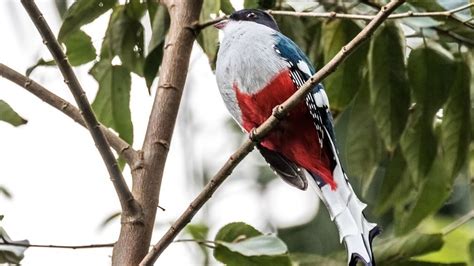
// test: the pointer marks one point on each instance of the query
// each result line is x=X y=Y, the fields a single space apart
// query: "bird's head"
x=251 y=15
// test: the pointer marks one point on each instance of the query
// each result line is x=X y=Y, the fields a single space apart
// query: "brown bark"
x=134 y=240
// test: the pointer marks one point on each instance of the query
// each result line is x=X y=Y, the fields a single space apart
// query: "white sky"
x=61 y=188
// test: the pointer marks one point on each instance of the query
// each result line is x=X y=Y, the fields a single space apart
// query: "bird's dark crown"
x=255 y=15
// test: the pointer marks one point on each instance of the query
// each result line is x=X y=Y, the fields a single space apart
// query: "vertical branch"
x=264 y=129
x=134 y=240
x=131 y=210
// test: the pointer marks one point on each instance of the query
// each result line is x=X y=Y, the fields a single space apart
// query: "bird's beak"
x=221 y=24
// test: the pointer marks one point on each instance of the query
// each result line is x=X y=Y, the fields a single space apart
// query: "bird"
x=257 y=69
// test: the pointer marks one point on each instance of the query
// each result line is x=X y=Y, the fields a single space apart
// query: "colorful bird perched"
x=257 y=69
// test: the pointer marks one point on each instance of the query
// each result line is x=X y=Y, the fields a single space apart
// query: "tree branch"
x=122 y=148
x=458 y=223
x=450 y=14
x=131 y=210
x=263 y=130
x=409 y=14
x=15 y=244
x=134 y=240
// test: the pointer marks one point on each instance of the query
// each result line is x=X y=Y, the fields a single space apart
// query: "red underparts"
x=295 y=137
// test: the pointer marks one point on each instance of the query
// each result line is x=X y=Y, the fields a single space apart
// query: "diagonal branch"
x=122 y=148
x=264 y=129
x=131 y=210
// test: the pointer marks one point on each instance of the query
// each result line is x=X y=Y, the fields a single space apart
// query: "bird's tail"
x=347 y=211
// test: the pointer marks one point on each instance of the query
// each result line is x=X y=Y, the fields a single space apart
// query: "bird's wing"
x=284 y=168
x=317 y=101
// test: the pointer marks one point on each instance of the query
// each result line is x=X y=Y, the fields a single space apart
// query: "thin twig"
x=438 y=29
x=106 y=245
x=458 y=223
x=122 y=148
x=263 y=130
x=109 y=245
x=131 y=209
x=197 y=27
x=409 y=14
x=206 y=243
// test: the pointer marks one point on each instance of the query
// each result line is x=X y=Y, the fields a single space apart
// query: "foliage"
x=7 y=114
x=241 y=244
x=403 y=104
x=10 y=254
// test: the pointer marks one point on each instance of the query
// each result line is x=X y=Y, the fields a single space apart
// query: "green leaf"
x=251 y=3
x=126 y=39
x=112 y=102
x=11 y=254
x=7 y=114
x=319 y=236
x=109 y=219
x=198 y=231
x=234 y=231
x=208 y=38
x=426 y=5
x=264 y=245
x=430 y=70
x=419 y=145
x=360 y=147
x=434 y=190
x=389 y=87
x=41 y=62
x=344 y=83
x=61 y=7
x=395 y=181
x=241 y=244
x=456 y=119
x=401 y=249
x=259 y=4
x=471 y=252
x=79 y=48
x=135 y=9
x=6 y=193
x=226 y=7
x=427 y=263
x=302 y=259
x=160 y=26
x=82 y=12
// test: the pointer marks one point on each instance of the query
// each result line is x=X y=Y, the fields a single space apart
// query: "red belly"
x=295 y=137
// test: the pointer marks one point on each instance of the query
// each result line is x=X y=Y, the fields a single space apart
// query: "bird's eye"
x=251 y=15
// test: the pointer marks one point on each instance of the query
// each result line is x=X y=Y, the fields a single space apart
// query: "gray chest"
x=246 y=59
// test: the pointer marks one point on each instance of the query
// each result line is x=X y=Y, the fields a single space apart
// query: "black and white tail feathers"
x=346 y=210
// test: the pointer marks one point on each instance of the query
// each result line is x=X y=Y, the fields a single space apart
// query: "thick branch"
x=122 y=148
x=131 y=210
x=133 y=243
x=264 y=129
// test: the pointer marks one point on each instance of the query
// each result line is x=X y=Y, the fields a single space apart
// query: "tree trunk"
x=134 y=239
